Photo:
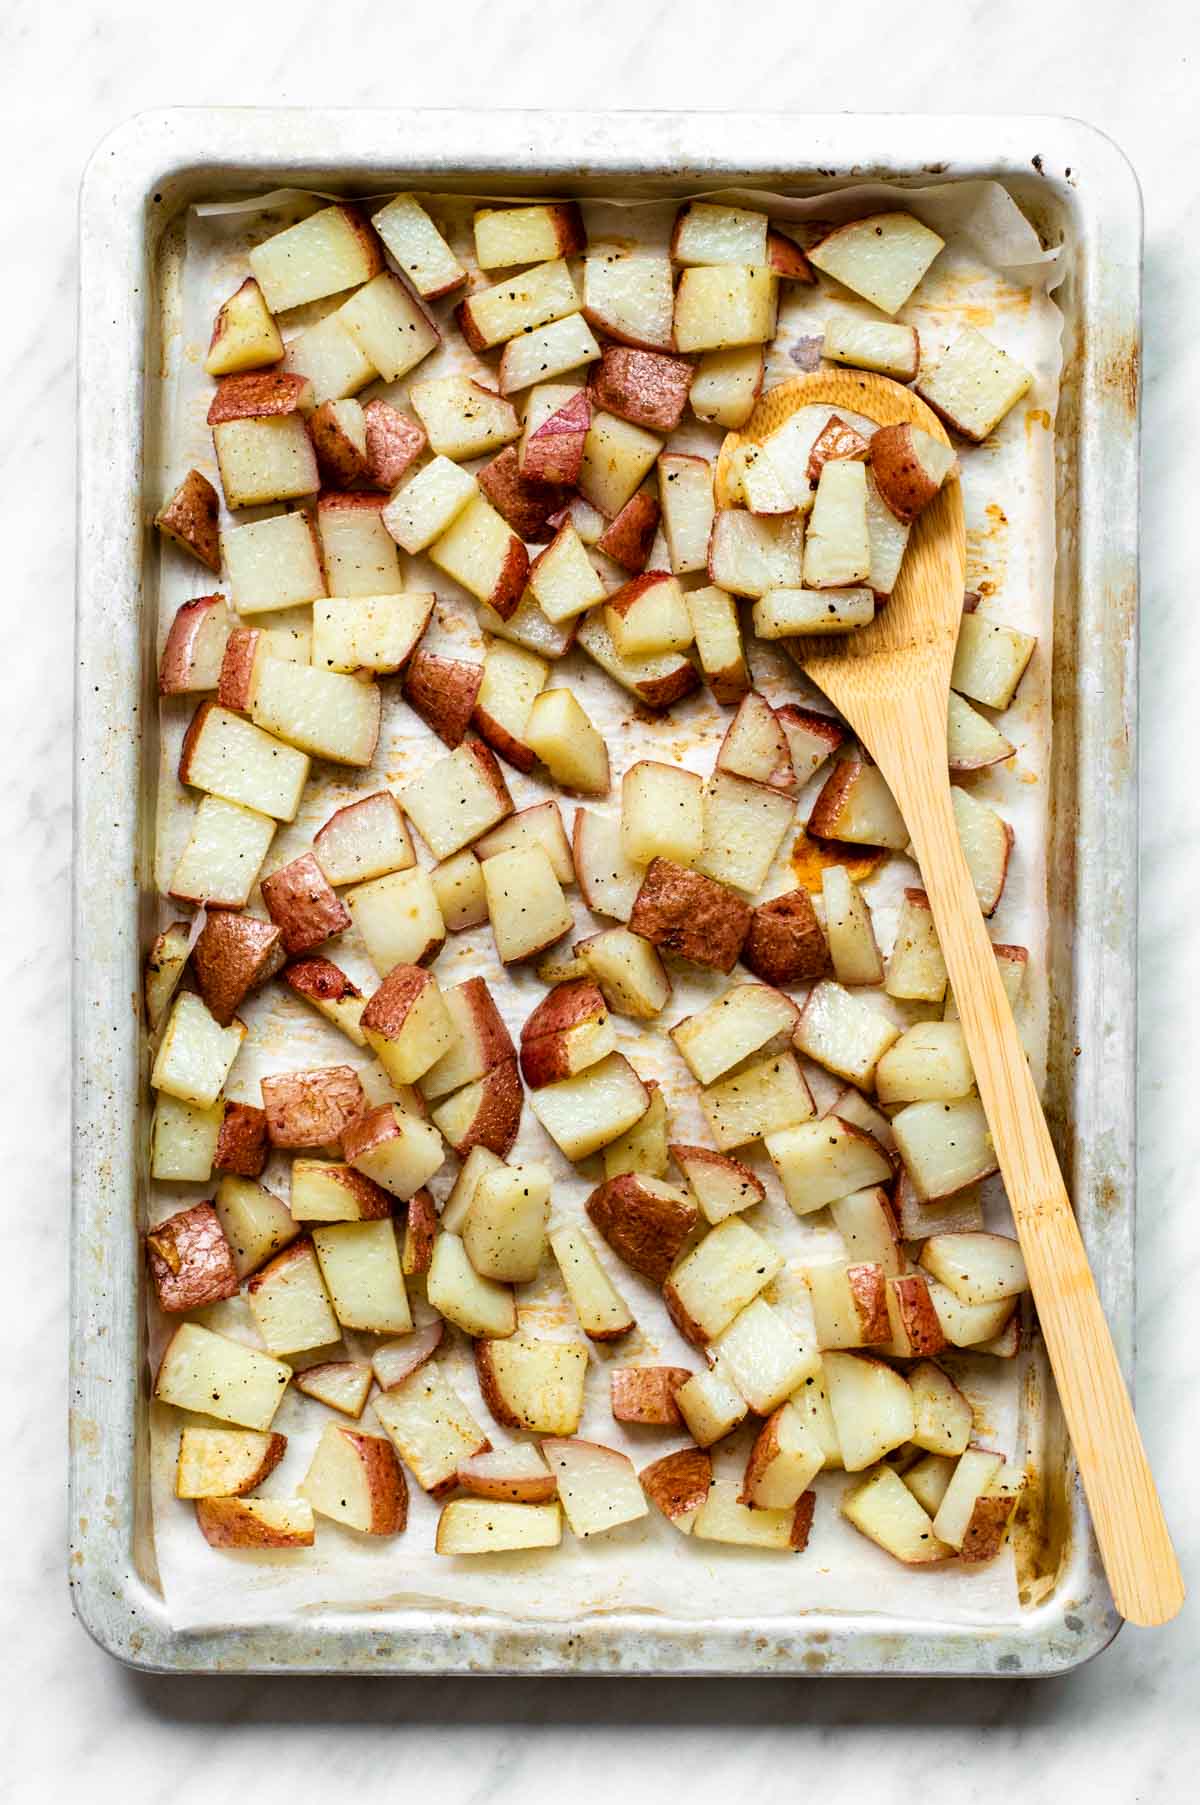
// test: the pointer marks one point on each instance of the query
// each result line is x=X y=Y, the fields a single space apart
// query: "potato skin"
x=786 y=943
x=303 y=905
x=498 y=1118
x=646 y=1394
x=526 y=505
x=649 y=388
x=679 y=1482
x=312 y=1108
x=242 y=1145
x=255 y=395
x=191 y=1262
x=690 y=914
x=393 y=443
x=646 y=1230
x=442 y=692
x=226 y=1523
x=629 y=539
x=903 y=482
x=544 y=1054
x=190 y=518
x=233 y=954
x=835 y=440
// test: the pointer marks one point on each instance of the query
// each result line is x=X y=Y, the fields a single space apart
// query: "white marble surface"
x=1125 y=1728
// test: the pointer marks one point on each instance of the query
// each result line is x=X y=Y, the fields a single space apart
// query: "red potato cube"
x=481 y=1040
x=568 y=1031
x=242 y=1144
x=258 y=395
x=419 y=248
x=393 y=1149
x=480 y=550
x=484 y=1114
x=244 y=336
x=629 y=539
x=679 y=1484
x=195 y=648
x=443 y=692
x=233 y=955
x=835 y=440
x=687 y=913
x=274 y=1523
x=331 y=993
x=407 y=1024
x=631 y=299
x=333 y=249
x=519 y=303
x=191 y=1262
x=787 y=260
x=526 y=505
x=366 y=839
x=339 y=434
x=647 y=387
x=189 y=519
x=235 y=682
x=551 y=449
x=643 y=1220
x=303 y=905
x=646 y=1394
x=357 y=1480
x=505 y=236
x=394 y=443
x=313 y=1108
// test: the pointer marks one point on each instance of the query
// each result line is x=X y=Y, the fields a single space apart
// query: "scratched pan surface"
x=1075 y=187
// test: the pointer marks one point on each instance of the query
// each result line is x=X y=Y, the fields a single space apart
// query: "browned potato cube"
x=233 y=954
x=242 y=1144
x=311 y=1109
x=690 y=914
x=191 y=1262
x=190 y=517
x=303 y=905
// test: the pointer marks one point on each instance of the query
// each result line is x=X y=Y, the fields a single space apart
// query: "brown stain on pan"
x=1121 y=374
x=810 y=857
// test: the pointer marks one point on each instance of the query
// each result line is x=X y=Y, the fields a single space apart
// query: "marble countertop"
x=1123 y=1729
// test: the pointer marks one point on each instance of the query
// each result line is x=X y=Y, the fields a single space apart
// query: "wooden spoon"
x=891 y=681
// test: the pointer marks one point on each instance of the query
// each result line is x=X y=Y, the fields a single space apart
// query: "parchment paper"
x=993 y=274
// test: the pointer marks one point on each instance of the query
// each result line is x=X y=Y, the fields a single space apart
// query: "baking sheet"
x=993 y=275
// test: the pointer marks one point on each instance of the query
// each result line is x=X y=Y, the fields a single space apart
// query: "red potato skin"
x=985 y=1531
x=356 y=501
x=175 y=664
x=533 y=1490
x=565 y=1007
x=242 y=1145
x=420 y=1232
x=372 y=1202
x=368 y=1131
x=831 y=731
x=646 y=1230
x=762 y=1453
x=233 y=954
x=629 y=538
x=498 y=1118
x=554 y=453
x=687 y=913
x=275 y=1451
x=649 y=388
x=527 y=506
x=788 y=260
x=303 y=906
x=918 y=1316
x=826 y=816
x=802 y=1521
x=386 y=1483
x=394 y=443
x=225 y=1523
x=390 y=1005
x=835 y=441
x=190 y=518
x=659 y=693
x=488 y=1026
x=900 y=476
x=257 y=394
x=514 y=752
x=340 y=460
x=237 y=669
x=320 y=980
x=687 y=1325
x=313 y=1108
x=646 y=1394
x=191 y=1262
x=786 y=943
x=868 y=1288
x=489 y=1387
x=369 y=240
x=723 y=1162
x=679 y=1482
x=442 y=692
x=365 y=804
x=219 y=327
x=491 y=773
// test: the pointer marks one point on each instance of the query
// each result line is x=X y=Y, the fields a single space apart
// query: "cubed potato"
x=486 y=1113
x=754 y=481
x=662 y=814
x=360 y=556
x=570 y=1030
x=642 y=1148
x=512 y=680
x=527 y=626
x=394 y=443
x=481 y=1040
x=711 y=1406
x=561 y=735
x=357 y=1480
x=323 y=712
x=784 y=1460
x=969 y=1325
x=726 y=386
x=909 y=466
x=685 y=489
x=717 y=1279
x=607 y=880
x=872 y=1407
x=617 y=457
x=339 y=434
x=547 y=353
x=586 y=1112
x=562 y=580
x=312 y=1108
x=195 y=1054
x=394 y=1361
x=843 y=1033
x=273 y=563
x=646 y=1394
x=866 y=1223
x=270 y=1523
x=456 y=799
x=217 y=1377
x=369 y=633
x=488 y=1526
x=755 y=746
x=331 y=360
x=787 y=259
x=517 y=304
x=987 y=842
x=883 y=1508
x=649 y=615
x=763 y=1357
x=849 y=929
x=164 y=968
x=1011 y=963
x=706 y=232
x=223 y=855
x=328 y=1191
x=656 y=681
x=786 y=943
x=303 y=905
x=644 y=1220
x=942 y=1414
x=973 y=385
x=242 y=1145
x=744 y=826
x=687 y=913
x=526 y=905
x=442 y=691
x=837 y=552
x=407 y=1024
x=393 y=1149
x=237 y=761
x=629 y=972
x=289 y=1302
x=979 y=1268
x=504 y=1233
x=244 y=336
x=882 y=257
x=749 y=554
x=331 y=250
x=849 y=1304
x=480 y=551
x=225 y=1463
x=972 y=742
x=191 y=1262
x=431 y=1428
x=364 y=840
x=918 y=1218
x=418 y=247
x=944 y=1146
x=819 y=1161
x=256 y=1223
x=527 y=506
x=183 y=1139
x=795 y=613
x=602 y=1312
x=390 y=328
x=631 y=537
x=428 y=504
x=462 y=418
x=457 y=885
x=631 y=299
x=598 y=1486
x=195 y=647
x=767 y=1095
x=541 y=826
x=360 y=1263
x=812 y=737
x=263 y=460
x=721 y=307
x=718 y=637
x=475 y=1304
x=975 y=1472
x=259 y=395
x=878 y=345
x=989 y=660
x=528 y=1383
x=916 y=970
x=233 y=954
x=399 y=919
x=744 y=1020
x=721 y=1186
x=929 y=1063
x=557 y=418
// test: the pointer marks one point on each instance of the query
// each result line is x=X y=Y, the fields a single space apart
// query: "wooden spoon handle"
x=1135 y=1545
